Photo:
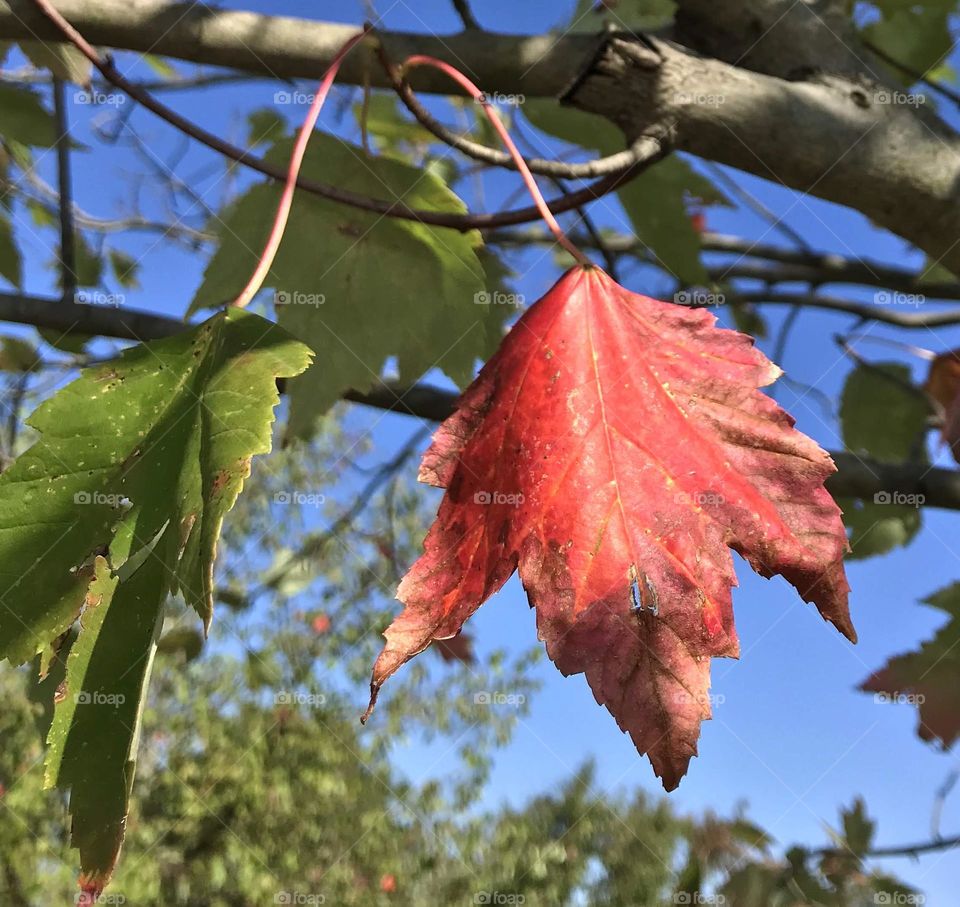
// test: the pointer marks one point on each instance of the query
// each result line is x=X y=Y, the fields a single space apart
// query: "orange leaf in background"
x=943 y=385
x=614 y=450
x=321 y=624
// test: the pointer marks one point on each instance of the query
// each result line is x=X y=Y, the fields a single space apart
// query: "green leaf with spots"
x=24 y=119
x=357 y=287
x=656 y=201
x=118 y=505
x=170 y=426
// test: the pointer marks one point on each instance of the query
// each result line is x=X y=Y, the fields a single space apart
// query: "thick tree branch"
x=831 y=138
x=856 y=477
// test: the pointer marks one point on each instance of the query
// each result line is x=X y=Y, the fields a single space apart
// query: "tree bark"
x=832 y=136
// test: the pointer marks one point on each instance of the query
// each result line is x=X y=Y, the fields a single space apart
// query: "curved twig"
x=655 y=150
x=614 y=163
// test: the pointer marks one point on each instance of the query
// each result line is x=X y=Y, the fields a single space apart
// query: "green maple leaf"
x=117 y=506
x=359 y=286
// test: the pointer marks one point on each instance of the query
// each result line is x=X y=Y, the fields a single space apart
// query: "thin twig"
x=914 y=74
x=68 y=253
x=466 y=14
x=613 y=163
x=896 y=850
x=462 y=222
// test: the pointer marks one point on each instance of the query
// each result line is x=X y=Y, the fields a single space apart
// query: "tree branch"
x=857 y=478
x=831 y=138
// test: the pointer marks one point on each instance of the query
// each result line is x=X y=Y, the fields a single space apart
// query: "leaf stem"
x=293 y=171
x=495 y=121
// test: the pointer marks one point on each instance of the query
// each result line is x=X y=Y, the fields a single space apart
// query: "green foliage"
x=883 y=417
x=357 y=287
x=655 y=201
x=10 y=261
x=63 y=61
x=265 y=126
x=118 y=504
x=393 y=129
x=24 y=119
x=125 y=269
x=18 y=355
x=915 y=35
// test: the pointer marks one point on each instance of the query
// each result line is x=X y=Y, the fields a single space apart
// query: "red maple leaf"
x=613 y=450
x=943 y=385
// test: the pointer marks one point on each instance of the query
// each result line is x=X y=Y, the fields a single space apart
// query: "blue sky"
x=791 y=736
